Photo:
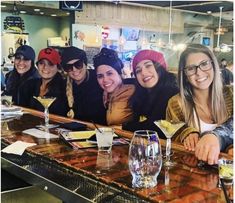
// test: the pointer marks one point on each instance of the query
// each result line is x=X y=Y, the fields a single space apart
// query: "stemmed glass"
x=46 y=102
x=169 y=129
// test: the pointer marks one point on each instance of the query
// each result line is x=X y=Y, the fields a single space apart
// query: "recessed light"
x=37 y=9
x=22 y=11
x=53 y=15
x=41 y=13
x=3 y=6
x=209 y=12
x=68 y=13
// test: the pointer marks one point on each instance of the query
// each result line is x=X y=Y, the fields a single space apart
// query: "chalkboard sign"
x=91 y=52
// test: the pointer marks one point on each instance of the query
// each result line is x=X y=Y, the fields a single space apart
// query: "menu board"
x=91 y=52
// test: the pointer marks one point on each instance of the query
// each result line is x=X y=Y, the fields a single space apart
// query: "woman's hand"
x=208 y=149
x=190 y=141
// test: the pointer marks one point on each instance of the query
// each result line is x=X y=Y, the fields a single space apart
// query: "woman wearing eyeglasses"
x=83 y=92
x=51 y=84
x=24 y=70
x=116 y=94
x=202 y=103
x=155 y=86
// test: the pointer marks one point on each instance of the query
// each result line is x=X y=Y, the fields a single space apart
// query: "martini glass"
x=169 y=129
x=46 y=102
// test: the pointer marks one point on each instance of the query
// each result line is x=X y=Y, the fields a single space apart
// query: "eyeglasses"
x=77 y=65
x=21 y=57
x=204 y=66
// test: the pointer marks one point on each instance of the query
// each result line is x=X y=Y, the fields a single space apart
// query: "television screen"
x=131 y=34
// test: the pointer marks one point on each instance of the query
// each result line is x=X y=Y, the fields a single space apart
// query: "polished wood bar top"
x=184 y=182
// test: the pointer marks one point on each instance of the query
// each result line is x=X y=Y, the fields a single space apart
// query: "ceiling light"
x=53 y=15
x=68 y=13
x=41 y=13
x=22 y=12
x=36 y=9
x=209 y=12
x=3 y=6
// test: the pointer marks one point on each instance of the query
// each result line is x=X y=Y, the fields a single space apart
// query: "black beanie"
x=108 y=57
x=70 y=53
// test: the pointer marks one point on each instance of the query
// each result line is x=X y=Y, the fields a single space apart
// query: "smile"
x=146 y=79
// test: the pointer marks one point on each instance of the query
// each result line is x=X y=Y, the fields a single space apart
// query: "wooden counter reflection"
x=185 y=182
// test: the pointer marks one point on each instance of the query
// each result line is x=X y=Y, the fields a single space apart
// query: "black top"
x=152 y=103
x=88 y=100
x=15 y=83
x=56 y=88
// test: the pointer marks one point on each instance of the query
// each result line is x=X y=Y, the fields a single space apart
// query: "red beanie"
x=149 y=55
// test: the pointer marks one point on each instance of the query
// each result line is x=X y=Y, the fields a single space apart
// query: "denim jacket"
x=224 y=133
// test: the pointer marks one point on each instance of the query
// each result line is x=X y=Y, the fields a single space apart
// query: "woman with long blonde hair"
x=203 y=103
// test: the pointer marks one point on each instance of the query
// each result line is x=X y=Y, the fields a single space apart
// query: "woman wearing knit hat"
x=24 y=70
x=155 y=85
x=50 y=84
x=83 y=92
x=116 y=95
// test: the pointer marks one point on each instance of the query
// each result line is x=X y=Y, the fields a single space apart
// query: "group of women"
x=196 y=97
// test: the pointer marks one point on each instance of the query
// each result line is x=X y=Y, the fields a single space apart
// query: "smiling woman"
x=116 y=94
x=203 y=103
x=155 y=85
x=51 y=84
x=24 y=70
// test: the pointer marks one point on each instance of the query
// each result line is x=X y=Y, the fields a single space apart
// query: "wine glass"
x=145 y=158
x=46 y=102
x=169 y=129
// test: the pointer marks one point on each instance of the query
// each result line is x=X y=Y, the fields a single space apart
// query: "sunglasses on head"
x=21 y=57
x=77 y=65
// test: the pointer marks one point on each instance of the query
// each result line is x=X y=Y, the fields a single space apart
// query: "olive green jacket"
x=174 y=112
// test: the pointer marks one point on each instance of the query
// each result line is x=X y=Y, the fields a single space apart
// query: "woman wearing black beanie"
x=83 y=92
x=116 y=95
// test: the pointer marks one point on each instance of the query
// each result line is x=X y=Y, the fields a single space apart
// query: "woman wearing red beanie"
x=116 y=94
x=155 y=86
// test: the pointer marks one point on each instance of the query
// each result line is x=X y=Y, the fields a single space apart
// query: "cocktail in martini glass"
x=169 y=129
x=46 y=102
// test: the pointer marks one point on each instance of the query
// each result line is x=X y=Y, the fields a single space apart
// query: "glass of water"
x=145 y=158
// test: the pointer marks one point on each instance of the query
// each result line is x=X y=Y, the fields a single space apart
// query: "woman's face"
x=146 y=74
x=77 y=74
x=201 y=80
x=46 y=69
x=108 y=78
x=21 y=64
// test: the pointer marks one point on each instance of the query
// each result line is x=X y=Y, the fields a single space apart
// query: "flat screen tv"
x=131 y=34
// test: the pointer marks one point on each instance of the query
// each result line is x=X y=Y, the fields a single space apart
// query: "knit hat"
x=51 y=55
x=26 y=51
x=149 y=55
x=71 y=53
x=108 y=57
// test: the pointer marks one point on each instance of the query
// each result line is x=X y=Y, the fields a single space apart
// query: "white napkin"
x=40 y=134
x=17 y=147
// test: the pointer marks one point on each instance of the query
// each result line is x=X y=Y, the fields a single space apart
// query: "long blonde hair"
x=69 y=93
x=217 y=103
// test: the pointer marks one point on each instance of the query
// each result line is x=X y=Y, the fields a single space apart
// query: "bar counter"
x=84 y=175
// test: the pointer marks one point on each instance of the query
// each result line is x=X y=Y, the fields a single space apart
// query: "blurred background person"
x=227 y=75
x=84 y=94
x=154 y=87
x=116 y=94
x=24 y=70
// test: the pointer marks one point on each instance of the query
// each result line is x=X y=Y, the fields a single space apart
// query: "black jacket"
x=152 y=104
x=15 y=83
x=88 y=100
x=56 y=88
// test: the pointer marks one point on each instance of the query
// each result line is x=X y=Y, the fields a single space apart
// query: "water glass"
x=145 y=158
x=104 y=137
